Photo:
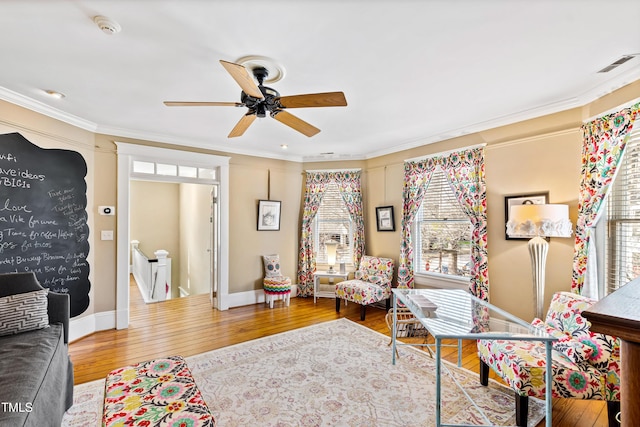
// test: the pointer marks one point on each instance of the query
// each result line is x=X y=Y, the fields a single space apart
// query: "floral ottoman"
x=159 y=392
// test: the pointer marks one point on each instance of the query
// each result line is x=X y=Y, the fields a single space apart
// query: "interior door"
x=214 y=228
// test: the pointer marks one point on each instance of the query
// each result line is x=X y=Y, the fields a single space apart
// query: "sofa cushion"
x=23 y=312
x=571 y=347
x=35 y=369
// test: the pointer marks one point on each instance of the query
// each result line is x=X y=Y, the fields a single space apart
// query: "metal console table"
x=456 y=314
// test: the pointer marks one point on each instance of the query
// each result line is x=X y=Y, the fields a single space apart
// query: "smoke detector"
x=108 y=26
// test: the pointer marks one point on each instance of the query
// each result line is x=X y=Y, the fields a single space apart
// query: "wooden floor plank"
x=188 y=326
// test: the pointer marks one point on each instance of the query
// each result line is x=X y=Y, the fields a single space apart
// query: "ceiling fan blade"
x=295 y=123
x=327 y=99
x=243 y=78
x=202 y=104
x=242 y=125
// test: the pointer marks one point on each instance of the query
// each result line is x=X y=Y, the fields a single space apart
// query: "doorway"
x=178 y=218
x=164 y=165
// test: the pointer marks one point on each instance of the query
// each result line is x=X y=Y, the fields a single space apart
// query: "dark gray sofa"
x=36 y=373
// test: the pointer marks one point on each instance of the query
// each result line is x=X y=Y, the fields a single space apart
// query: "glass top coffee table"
x=456 y=314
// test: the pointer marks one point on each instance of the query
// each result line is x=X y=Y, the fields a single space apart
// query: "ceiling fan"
x=260 y=99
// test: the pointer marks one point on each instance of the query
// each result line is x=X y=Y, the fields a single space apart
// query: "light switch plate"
x=106 y=234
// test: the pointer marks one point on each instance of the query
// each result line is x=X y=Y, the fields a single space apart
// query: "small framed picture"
x=384 y=218
x=524 y=199
x=268 y=215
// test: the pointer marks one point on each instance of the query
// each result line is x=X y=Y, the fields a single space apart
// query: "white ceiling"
x=413 y=72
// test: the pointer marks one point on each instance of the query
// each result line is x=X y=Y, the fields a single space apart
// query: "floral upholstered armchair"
x=586 y=365
x=372 y=283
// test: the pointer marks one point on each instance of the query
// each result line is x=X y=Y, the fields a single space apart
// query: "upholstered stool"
x=274 y=283
x=154 y=393
x=274 y=287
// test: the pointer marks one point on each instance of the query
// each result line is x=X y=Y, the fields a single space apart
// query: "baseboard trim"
x=87 y=325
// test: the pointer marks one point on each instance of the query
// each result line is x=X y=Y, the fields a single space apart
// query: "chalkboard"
x=43 y=217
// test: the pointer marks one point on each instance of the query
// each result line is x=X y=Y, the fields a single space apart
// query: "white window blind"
x=442 y=232
x=333 y=223
x=623 y=220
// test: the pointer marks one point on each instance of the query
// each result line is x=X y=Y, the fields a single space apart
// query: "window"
x=186 y=173
x=442 y=233
x=622 y=222
x=333 y=223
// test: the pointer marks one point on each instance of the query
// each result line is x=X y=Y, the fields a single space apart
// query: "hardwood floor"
x=189 y=326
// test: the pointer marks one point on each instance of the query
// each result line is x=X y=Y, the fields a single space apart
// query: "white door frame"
x=127 y=153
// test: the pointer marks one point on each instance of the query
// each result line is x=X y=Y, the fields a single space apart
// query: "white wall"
x=195 y=238
x=155 y=222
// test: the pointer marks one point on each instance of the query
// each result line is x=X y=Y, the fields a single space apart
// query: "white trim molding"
x=127 y=153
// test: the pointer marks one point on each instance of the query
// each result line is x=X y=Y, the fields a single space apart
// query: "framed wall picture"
x=268 y=215
x=524 y=199
x=384 y=218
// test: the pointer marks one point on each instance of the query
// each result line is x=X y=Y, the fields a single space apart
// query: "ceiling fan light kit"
x=260 y=99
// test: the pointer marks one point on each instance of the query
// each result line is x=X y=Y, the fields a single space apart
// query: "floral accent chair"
x=585 y=365
x=372 y=283
x=274 y=283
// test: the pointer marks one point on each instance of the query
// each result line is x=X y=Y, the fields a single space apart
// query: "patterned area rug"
x=337 y=373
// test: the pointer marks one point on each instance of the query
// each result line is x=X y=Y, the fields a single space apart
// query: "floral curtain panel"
x=465 y=173
x=416 y=179
x=604 y=140
x=349 y=184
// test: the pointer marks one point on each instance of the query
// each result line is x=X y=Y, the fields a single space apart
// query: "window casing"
x=442 y=233
x=333 y=223
x=620 y=223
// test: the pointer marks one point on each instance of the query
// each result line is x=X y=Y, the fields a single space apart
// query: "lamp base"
x=538 y=249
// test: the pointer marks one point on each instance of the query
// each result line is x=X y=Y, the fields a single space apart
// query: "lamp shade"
x=331 y=252
x=539 y=220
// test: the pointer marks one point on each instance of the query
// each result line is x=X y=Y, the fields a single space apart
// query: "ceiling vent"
x=618 y=63
x=108 y=26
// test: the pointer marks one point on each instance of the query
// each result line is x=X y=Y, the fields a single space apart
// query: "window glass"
x=622 y=252
x=442 y=232
x=144 y=167
x=164 y=169
x=333 y=224
x=204 y=173
x=188 y=171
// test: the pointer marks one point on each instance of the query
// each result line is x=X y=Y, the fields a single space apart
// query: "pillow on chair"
x=272 y=265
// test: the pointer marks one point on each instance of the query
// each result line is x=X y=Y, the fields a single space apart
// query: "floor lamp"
x=538 y=222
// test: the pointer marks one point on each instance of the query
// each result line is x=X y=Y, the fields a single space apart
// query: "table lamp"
x=538 y=222
x=331 y=254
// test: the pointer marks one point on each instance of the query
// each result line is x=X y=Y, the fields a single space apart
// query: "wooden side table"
x=618 y=314
x=316 y=283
